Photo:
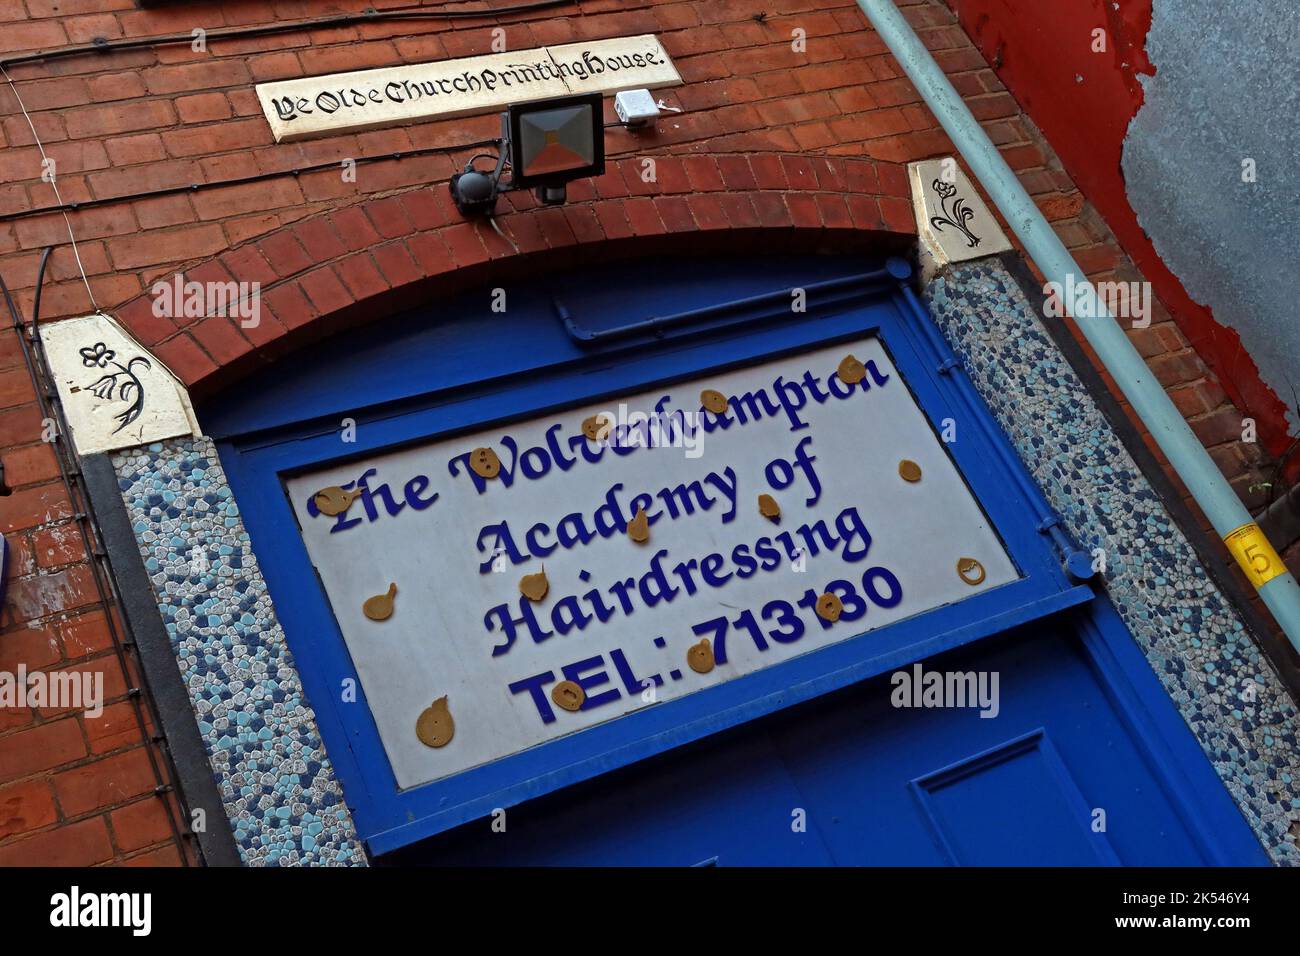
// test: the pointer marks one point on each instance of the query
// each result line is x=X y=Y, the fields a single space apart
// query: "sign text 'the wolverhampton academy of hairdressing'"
x=347 y=102
x=872 y=510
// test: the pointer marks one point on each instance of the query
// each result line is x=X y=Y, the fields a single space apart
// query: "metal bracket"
x=830 y=292
x=1077 y=563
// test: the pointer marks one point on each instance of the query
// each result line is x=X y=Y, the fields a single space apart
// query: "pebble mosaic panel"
x=277 y=784
x=1217 y=676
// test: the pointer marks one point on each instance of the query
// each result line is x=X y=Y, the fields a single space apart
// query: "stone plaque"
x=347 y=102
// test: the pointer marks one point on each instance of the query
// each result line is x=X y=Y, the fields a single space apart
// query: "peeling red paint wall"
x=1083 y=101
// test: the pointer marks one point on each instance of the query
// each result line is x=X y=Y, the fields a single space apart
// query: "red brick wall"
x=73 y=790
x=337 y=268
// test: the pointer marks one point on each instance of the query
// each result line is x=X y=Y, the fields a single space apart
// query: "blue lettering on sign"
x=413 y=495
x=662 y=581
x=610 y=518
x=785 y=400
x=781 y=624
x=608 y=677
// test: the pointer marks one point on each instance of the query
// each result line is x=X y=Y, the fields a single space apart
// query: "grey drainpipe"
x=1189 y=459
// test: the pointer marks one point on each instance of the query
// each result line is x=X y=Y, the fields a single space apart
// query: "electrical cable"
x=102 y=46
x=96 y=555
x=255 y=178
x=99 y=46
x=239 y=180
x=32 y=354
x=48 y=166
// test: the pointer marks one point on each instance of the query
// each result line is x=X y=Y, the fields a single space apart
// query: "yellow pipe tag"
x=1254 y=554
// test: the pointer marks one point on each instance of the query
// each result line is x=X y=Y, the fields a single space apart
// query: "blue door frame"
x=875 y=785
x=423 y=377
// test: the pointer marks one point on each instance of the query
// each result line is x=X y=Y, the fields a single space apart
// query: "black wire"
x=239 y=181
x=343 y=19
x=40 y=286
x=370 y=16
x=258 y=178
x=97 y=557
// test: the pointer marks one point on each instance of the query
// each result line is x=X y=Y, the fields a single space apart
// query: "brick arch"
x=360 y=262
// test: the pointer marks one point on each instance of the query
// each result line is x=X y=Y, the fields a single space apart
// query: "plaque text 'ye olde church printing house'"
x=365 y=99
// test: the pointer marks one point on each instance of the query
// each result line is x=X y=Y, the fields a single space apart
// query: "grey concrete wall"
x=1226 y=89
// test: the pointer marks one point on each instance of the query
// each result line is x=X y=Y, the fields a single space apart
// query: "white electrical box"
x=635 y=107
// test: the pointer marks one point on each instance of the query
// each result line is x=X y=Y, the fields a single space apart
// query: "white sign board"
x=347 y=102
x=113 y=392
x=620 y=617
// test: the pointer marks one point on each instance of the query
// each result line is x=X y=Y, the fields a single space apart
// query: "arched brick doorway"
x=360 y=263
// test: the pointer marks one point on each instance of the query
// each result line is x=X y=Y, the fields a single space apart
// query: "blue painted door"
x=874 y=784
x=810 y=762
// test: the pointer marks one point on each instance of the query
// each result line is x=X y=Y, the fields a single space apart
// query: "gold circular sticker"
x=485 y=462
x=829 y=607
x=713 y=400
x=568 y=695
x=909 y=470
x=380 y=607
x=638 y=529
x=851 y=371
x=700 y=657
x=597 y=427
x=435 y=728
x=970 y=571
x=534 y=586
x=334 y=500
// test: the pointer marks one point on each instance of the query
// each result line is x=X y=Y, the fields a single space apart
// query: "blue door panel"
x=979 y=815
x=878 y=785
x=701 y=805
x=1017 y=788
x=742 y=774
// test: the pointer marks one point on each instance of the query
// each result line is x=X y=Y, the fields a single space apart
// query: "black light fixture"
x=475 y=192
x=554 y=141
x=547 y=143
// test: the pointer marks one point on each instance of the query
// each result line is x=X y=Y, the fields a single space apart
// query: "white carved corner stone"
x=952 y=221
x=114 y=394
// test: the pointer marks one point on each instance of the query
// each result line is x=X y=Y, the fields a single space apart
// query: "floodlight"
x=554 y=141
